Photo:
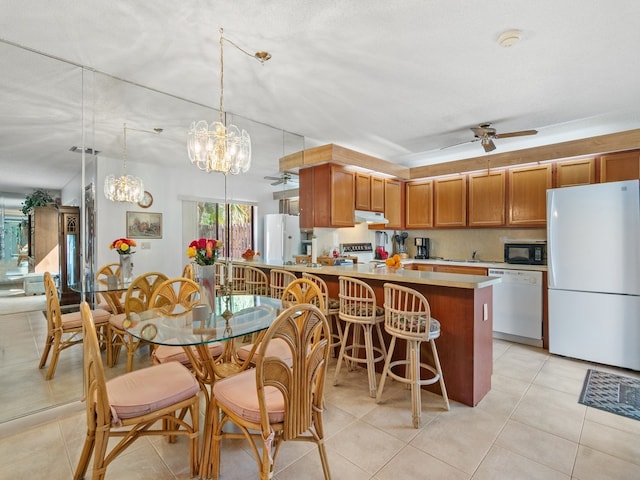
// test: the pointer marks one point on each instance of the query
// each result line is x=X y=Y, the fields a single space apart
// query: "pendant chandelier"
x=126 y=188
x=218 y=147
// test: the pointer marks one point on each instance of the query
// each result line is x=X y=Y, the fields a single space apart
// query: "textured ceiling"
x=395 y=79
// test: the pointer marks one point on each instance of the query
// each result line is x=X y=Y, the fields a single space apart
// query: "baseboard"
x=48 y=415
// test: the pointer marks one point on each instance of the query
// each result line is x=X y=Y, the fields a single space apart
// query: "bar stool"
x=278 y=281
x=358 y=309
x=407 y=316
x=256 y=281
x=331 y=310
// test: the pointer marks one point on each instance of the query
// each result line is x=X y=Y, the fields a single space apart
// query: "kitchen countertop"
x=376 y=272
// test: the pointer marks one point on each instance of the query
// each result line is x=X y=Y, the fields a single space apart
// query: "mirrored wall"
x=61 y=120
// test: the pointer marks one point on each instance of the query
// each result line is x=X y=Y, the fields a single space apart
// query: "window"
x=237 y=233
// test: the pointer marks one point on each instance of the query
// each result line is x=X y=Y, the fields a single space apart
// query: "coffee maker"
x=422 y=248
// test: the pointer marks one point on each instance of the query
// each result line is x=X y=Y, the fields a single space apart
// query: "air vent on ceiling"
x=88 y=151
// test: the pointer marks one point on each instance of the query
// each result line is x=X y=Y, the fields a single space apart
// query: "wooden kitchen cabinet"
x=576 y=172
x=363 y=191
x=377 y=194
x=450 y=202
x=420 y=267
x=487 y=199
x=393 y=204
x=419 y=204
x=305 y=202
x=527 y=203
x=619 y=166
x=467 y=270
x=464 y=269
x=327 y=196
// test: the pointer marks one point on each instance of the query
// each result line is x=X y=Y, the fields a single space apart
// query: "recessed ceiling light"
x=509 y=38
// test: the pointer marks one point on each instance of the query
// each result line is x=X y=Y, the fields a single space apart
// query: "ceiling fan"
x=283 y=179
x=485 y=133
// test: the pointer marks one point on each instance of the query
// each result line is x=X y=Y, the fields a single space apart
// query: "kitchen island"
x=462 y=304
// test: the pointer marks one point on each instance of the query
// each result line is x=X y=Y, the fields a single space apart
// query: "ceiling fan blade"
x=278 y=182
x=515 y=134
x=272 y=178
x=461 y=143
x=488 y=145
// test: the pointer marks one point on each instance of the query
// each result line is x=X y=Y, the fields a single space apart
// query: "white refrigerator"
x=593 y=256
x=281 y=238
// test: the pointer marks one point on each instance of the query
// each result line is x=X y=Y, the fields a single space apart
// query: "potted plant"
x=39 y=198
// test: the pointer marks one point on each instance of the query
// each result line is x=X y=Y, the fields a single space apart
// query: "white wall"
x=169 y=187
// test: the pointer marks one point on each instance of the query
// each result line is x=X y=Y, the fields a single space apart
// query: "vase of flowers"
x=124 y=248
x=204 y=252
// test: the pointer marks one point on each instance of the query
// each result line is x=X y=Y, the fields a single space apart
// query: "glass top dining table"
x=235 y=316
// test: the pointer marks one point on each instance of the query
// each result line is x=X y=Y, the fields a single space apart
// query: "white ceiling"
x=395 y=79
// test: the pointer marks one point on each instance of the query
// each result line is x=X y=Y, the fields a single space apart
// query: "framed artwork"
x=144 y=225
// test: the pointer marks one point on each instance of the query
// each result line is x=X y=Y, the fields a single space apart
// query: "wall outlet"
x=145 y=245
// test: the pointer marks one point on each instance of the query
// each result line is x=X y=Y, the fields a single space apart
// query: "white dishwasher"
x=517 y=305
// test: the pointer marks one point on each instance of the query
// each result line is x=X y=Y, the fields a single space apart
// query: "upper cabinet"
x=576 y=172
x=615 y=167
x=363 y=191
x=419 y=204
x=528 y=195
x=327 y=196
x=512 y=197
x=369 y=192
x=393 y=204
x=487 y=199
x=377 y=194
x=450 y=201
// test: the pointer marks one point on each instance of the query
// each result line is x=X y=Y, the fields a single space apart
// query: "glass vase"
x=207 y=282
x=126 y=268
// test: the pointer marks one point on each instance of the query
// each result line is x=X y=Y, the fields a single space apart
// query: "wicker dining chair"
x=109 y=301
x=188 y=271
x=281 y=399
x=64 y=330
x=331 y=310
x=300 y=291
x=174 y=297
x=148 y=402
x=137 y=299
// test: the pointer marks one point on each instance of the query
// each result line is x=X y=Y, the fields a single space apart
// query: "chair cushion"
x=105 y=306
x=149 y=389
x=239 y=394
x=74 y=320
x=364 y=310
x=117 y=320
x=169 y=353
x=277 y=348
x=411 y=325
x=334 y=304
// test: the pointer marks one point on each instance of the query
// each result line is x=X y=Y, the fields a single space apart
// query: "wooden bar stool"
x=407 y=316
x=358 y=310
x=278 y=281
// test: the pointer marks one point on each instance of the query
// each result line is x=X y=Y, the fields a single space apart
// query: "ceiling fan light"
x=509 y=38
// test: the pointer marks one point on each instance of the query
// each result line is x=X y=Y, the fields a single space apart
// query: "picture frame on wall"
x=144 y=225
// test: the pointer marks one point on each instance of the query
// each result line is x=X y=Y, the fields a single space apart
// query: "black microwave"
x=525 y=253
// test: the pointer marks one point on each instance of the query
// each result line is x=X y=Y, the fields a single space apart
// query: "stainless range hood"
x=362 y=216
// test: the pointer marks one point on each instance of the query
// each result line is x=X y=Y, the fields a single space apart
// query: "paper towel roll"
x=314 y=250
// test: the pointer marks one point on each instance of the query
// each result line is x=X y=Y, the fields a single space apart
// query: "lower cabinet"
x=463 y=269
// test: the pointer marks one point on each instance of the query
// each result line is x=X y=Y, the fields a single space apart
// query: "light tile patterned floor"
x=530 y=426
